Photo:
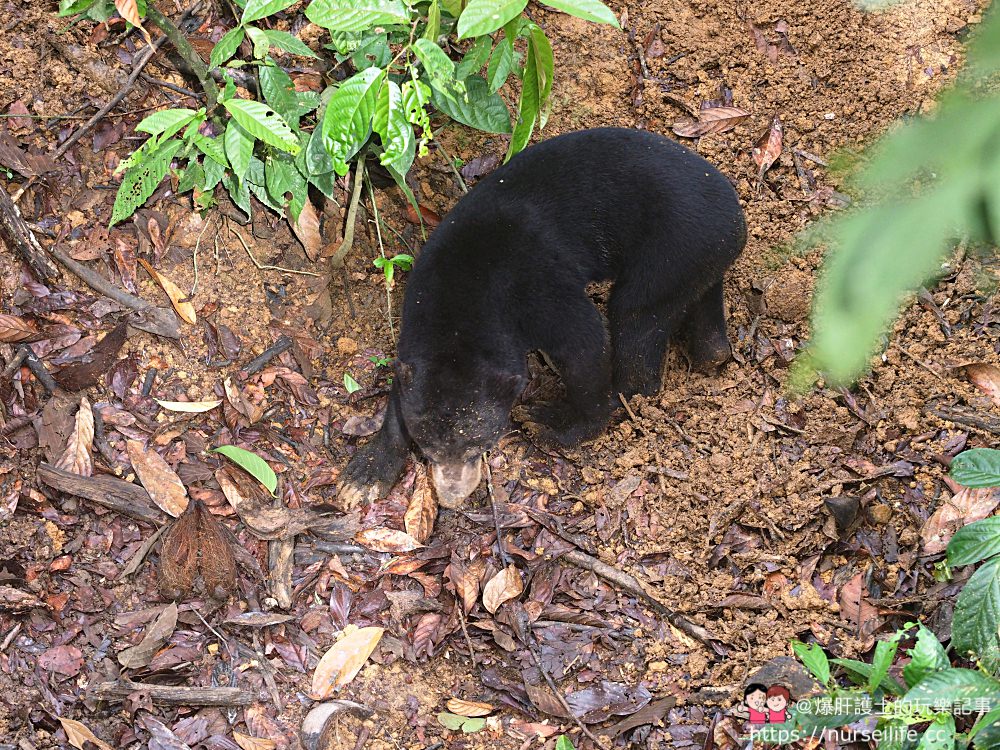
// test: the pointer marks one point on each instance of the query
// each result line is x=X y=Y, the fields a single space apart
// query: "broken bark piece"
x=115 y=494
x=173 y=695
x=22 y=242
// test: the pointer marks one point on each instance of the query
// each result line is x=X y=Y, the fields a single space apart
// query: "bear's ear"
x=404 y=371
x=511 y=383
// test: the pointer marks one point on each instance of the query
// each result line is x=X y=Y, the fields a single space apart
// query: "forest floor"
x=754 y=517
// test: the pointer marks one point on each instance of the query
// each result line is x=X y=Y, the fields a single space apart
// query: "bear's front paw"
x=369 y=476
x=560 y=424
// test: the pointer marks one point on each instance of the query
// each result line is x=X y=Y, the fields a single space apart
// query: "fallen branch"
x=965 y=416
x=256 y=364
x=37 y=368
x=174 y=695
x=21 y=240
x=109 y=492
x=623 y=580
x=156 y=320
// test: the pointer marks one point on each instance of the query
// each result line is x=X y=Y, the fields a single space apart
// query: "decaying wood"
x=173 y=695
x=22 y=242
x=965 y=416
x=115 y=494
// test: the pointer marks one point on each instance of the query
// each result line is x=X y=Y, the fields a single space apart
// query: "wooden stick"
x=37 y=368
x=174 y=695
x=21 y=240
x=115 y=494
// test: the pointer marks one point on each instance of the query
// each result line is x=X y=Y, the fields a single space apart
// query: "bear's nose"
x=454 y=482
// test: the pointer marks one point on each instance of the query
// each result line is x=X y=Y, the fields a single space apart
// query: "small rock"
x=346 y=345
x=880 y=514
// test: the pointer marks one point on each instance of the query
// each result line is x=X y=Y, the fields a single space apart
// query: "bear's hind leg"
x=582 y=355
x=376 y=466
x=639 y=336
x=704 y=330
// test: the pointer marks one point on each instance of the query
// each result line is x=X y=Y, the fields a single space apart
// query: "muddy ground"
x=717 y=494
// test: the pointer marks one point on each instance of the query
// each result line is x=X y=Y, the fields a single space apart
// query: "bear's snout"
x=455 y=482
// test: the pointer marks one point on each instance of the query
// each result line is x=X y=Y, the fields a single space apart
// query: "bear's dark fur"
x=505 y=273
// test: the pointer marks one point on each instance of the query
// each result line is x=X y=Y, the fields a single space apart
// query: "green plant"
x=399 y=57
x=380 y=361
x=388 y=266
x=350 y=383
x=253 y=464
x=932 y=692
x=933 y=179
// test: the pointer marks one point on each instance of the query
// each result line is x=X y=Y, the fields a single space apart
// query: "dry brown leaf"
x=468 y=708
x=253 y=743
x=129 y=10
x=387 y=540
x=190 y=407
x=306 y=228
x=964 y=507
x=76 y=458
x=15 y=600
x=141 y=654
x=711 y=120
x=14 y=329
x=422 y=510
x=344 y=660
x=768 y=147
x=502 y=587
x=858 y=611
x=160 y=481
x=263 y=519
x=78 y=734
x=987 y=379
x=177 y=298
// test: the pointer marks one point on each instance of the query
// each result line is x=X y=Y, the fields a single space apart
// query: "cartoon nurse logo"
x=766 y=705
x=755 y=699
x=777 y=704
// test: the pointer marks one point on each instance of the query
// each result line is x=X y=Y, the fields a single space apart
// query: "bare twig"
x=634 y=586
x=14 y=363
x=465 y=630
x=256 y=364
x=504 y=557
x=38 y=369
x=174 y=695
x=337 y=259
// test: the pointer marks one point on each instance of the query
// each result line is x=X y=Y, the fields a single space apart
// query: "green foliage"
x=455 y=722
x=388 y=266
x=979 y=467
x=350 y=383
x=276 y=148
x=935 y=692
x=253 y=464
x=933 y=180
x=564 y=743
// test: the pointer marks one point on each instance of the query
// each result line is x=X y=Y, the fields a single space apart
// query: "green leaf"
x=263 y=122
x=352 y=385
x=239 y=192
x=473 y=725
x=253 y=464
x=449 y=720
x=979 y=467
x=589 y=10
x=926 y=657
x=564 y=743
x=541 y=49
x=453 y=7
x=475 y=58
x=885 y=651
x=503 y=62
x=317 y=159
x=171 y=120
x=214 y=172
x=389 y=121
x=990 y=720
x=257 y=9
x=356 y=15
x=288 y=42
x=484 y=109
x=527 y=114
x=72 y=7
x=486 y=16
x=813 y=656
x=974 y=542
x=940 y=735
x=261 y=44
x=348 y=116
x=212 y=148
x=416 y=97
x=239 y=148
x=977 y=616
x=193 y=176
x=433 y=29
x=257 y=184
x=284 y=183
x=141 y=180
x=279 y=92
x=860 y=673
x=226 y=47
x=439 y=68
x=952 y=685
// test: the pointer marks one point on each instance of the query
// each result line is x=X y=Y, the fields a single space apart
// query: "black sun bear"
x=506 y=274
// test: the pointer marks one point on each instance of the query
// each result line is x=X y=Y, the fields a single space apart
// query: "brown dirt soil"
x=715 y=492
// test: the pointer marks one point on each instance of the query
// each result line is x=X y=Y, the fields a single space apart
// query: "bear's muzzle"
x=455 y=482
